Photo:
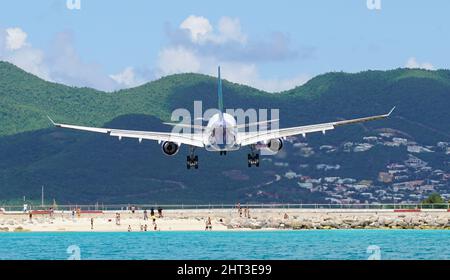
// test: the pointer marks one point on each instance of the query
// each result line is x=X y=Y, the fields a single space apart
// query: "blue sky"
x=272 y=45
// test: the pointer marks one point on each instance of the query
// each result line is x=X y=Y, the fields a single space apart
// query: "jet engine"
x=170 y=148
x=275 y=145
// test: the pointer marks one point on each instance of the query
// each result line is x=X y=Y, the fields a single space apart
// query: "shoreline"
x=226 y=220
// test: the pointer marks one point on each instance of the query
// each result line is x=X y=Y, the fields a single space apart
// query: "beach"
x=224 y=220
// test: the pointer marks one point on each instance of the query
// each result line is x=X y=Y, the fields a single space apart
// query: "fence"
x=116 y=207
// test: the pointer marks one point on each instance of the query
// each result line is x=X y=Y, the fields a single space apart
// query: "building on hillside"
x=385 y=177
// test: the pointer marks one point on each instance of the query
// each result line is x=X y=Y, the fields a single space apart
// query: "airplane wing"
x=187 y=139
x=252 y=138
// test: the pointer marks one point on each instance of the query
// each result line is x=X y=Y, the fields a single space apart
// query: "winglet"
x=390 y=112
x=52 y=121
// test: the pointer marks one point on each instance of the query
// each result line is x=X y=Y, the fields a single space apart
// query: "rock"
x=20 y=229
x=5 y=229
x=442 y=222
x=296 y=225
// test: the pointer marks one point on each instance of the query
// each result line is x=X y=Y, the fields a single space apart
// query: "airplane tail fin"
x=219 y=91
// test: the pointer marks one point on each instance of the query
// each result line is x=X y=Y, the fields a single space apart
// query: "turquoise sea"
x=313 y=244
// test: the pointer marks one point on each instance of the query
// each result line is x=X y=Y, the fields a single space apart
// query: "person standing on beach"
x=129 y=228
x=152 y=214
x=145 y=215
x=118 y=219
x=31 y=216
x=92 y=223
x=160 y=212
x=208 y=224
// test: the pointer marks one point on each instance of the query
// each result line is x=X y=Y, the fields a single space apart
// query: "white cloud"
x=30 y=60
x=198 y=27
x=18 y=51
x=202 y=32
x=196 y=46
x=16 y=38
x=230 y=30
x=177 y=59
x=413 y=63
x=60 y=63
x=205 y=48
x=248 y=74
x=127 y=78
x=67 y=67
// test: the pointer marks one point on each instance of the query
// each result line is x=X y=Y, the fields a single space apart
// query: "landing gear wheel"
x=188 y=162
x=192 y=161
x=253 y=159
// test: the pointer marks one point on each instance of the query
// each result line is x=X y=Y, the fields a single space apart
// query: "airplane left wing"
x=194 y=139
x=252 y=138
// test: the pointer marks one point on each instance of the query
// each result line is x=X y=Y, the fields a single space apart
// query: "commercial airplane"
x=222 y=134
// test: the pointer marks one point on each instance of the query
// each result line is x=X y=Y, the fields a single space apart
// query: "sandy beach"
x=224 y=220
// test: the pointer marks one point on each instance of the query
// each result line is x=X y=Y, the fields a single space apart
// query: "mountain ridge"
x=78 y=167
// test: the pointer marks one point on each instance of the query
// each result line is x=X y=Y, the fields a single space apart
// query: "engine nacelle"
x=170 y=148
x=275 y=145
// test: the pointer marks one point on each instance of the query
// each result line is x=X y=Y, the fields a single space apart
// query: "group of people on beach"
x=243 y=210
x=144 y=227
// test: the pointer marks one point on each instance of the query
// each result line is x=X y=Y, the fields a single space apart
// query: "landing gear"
x=223 y=153
x=192 y=159
x=253 y=157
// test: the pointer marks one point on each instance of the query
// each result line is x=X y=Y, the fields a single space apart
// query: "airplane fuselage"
x=220 y=133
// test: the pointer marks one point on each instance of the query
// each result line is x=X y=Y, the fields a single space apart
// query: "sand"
x=223 y=220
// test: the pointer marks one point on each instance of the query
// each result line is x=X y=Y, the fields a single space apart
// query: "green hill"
x=84 y=167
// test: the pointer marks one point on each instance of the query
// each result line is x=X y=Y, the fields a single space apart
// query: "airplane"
x=221 y=134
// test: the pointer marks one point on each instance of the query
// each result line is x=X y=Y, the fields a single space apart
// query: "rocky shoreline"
x=345 y=221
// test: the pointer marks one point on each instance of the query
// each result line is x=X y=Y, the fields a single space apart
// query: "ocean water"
x=262 y=245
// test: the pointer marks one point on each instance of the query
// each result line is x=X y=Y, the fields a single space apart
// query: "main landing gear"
x=253 y=157
x=192 y=159
x=224 y=153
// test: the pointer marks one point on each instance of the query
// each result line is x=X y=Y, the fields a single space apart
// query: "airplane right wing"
x=260 y=136
x=194 y=139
